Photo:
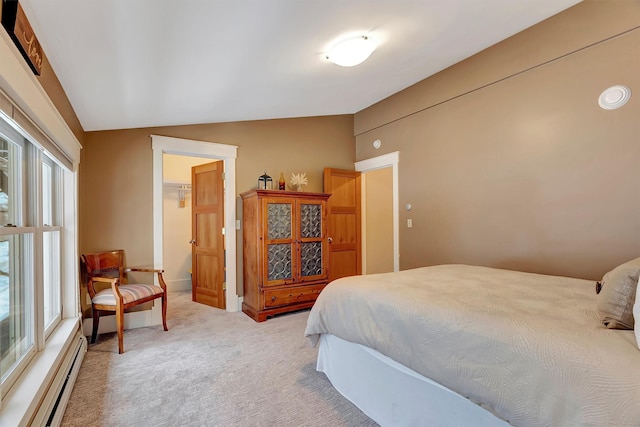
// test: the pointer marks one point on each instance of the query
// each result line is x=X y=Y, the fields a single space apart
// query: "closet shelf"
x=181 y=185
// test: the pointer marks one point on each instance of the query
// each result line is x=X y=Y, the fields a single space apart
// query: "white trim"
x=20 y=84
x=178 y=285
x=363 y=222
x=380 y=162
x=132 y=320
x=24 y=398
x=69 y=243
x=25 y=91
x=187 y=147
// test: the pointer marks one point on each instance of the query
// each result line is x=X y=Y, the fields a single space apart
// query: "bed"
x=467 y=345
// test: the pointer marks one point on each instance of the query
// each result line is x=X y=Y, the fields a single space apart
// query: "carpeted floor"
x=211 y=368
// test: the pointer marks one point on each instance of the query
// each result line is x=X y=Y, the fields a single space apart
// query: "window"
x=30 y=250
x=51 y=249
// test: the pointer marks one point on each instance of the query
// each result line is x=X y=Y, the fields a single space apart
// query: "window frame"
x=26 y=218
x=57 y=200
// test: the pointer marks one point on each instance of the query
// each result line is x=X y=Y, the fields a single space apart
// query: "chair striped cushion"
x=130 y=293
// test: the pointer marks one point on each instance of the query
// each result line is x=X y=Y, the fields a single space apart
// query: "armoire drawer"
x=291 y=295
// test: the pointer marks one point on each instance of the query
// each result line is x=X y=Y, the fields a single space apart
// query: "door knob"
x=330 y=239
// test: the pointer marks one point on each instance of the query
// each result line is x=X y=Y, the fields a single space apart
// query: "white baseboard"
x=179 y=285
x=136 y=319
x=29 y=392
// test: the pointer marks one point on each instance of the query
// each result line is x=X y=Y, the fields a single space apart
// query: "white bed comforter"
x=527 y=347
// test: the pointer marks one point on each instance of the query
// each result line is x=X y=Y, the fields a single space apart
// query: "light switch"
x=237 y=224
x=409 y=223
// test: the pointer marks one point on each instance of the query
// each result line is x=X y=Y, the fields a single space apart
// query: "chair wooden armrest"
x=104 y=279
x=159 y=272
x=113 y=281
x=145 y=270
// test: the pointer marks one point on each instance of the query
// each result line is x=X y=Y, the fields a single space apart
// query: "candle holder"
x=265 y=182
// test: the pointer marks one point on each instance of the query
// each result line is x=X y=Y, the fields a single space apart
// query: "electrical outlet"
x=87 y=299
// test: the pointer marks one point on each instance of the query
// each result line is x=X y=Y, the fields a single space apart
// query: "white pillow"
x=636 y=315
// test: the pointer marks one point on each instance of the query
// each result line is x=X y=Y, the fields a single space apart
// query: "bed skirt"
x=392 y=394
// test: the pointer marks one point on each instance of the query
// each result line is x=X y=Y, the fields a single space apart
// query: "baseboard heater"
x=52 y=408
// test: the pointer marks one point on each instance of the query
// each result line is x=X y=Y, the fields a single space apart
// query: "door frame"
x=211 y=150
x=381 y=162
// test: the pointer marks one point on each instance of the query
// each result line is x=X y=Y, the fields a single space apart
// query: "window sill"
x=23 y=400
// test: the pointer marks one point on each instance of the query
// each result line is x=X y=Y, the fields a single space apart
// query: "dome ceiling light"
x=352 y=51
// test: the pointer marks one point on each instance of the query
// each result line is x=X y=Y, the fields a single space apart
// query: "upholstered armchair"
x=108 y=268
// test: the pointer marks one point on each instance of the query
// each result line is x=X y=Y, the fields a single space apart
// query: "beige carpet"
x=211 y=368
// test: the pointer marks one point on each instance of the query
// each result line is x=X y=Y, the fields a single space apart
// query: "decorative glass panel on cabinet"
x=310 y=220
x=279 y=221
x=311 y=259
x=279 y=261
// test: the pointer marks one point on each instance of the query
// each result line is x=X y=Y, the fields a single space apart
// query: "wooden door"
x=344 y=212
x=207 y=221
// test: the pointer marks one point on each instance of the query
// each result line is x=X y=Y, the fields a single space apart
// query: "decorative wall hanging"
x=15 y=22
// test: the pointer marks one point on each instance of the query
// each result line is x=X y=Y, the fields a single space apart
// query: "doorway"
x=193 y=213
x=386 y=161
x=162 y=145
x=377 y=221
x=176 y=221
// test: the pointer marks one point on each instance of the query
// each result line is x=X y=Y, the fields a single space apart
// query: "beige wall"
x=506 y=157
x=52 y=86
x=378 y=219
x=116 y=171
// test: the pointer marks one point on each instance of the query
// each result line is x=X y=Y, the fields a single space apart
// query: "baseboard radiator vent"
x=52 y=408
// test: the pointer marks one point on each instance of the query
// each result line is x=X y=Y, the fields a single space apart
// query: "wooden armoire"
x=285 y=251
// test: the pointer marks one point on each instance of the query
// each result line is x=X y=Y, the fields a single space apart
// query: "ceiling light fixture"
x=614 y=97
x=352 y=51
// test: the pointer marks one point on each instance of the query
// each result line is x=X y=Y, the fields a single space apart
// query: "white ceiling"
x=141 y=63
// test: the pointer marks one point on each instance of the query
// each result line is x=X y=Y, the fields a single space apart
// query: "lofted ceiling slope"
x=142 y=63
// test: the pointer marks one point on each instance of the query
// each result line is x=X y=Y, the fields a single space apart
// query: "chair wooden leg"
x=164 y=312
x=96 y=322
x=120 y=327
